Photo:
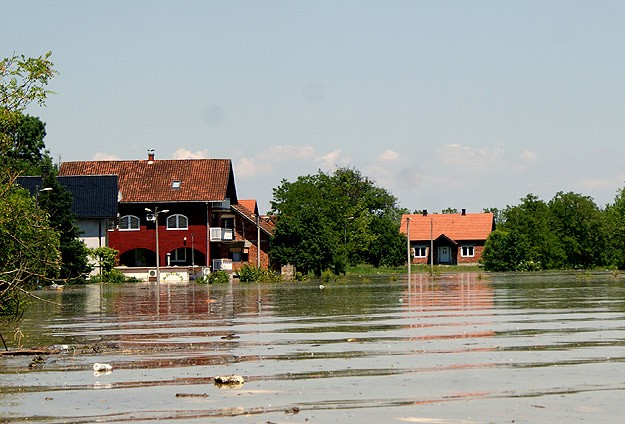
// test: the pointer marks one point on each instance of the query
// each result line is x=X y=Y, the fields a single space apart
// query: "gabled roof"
x=455 y=226
x=242 y=208
x=93 y=197
x=185 y=180
x=250 y=205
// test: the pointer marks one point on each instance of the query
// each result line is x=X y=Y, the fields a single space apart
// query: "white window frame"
x=129 y=219
x=420 y=252
x=176 y=217
x=467 y=251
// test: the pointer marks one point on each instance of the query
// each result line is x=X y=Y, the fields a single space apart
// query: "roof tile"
x=476 y=226
x=151 y=181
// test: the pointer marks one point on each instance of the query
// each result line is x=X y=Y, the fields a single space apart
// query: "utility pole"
x=408 y=244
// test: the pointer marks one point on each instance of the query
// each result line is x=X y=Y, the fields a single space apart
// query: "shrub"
x=216 y=277
x=248 y=274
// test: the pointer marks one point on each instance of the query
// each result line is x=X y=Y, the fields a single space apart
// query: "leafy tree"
x=326 y=221
x=28 y=245
x=614 y=225
x=24 y=150
x=577 y=222
x=449 y=210
x=531 y=221
x=29 y=250
x=505 y=251
x=74 y=253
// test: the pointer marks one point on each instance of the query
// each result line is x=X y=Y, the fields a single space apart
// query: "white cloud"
x=388 y=156
x=473 y=158
x=529 y=156
x=104 y=156
x=263 y=163
x=330 y=160
x=188 y=154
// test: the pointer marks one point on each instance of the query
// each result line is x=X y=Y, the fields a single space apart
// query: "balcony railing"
x=222 y=264
x=221 y=234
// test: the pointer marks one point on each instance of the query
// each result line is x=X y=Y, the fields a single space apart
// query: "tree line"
x=568 y=232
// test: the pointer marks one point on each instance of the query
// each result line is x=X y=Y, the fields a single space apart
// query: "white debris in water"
x=102 y=367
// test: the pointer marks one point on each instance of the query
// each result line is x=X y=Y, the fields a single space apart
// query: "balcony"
x=221 y=234
x=222 y=264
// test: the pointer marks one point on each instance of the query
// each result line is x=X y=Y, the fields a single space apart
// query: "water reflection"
x=373 y=349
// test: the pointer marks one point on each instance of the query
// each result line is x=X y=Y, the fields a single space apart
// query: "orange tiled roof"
x=472 y=226
x=243 y=208
x=151 y=181
x=249 y=204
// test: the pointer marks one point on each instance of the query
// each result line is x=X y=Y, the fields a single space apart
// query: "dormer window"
x=175 y=184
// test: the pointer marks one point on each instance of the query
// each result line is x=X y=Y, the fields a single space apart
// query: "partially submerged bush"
x=248 y=274
x=215 y=277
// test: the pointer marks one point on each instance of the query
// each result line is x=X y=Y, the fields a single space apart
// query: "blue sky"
x=464 y=104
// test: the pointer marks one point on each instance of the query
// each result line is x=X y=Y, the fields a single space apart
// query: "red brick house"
x=201 y=222
x=457 y=238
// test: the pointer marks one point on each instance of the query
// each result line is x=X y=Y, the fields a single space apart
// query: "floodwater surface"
x=456 y=348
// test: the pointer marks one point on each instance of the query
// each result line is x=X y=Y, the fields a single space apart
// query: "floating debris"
x=230 y=337
x=97 y=367
x=228 y=380
x=183 y=395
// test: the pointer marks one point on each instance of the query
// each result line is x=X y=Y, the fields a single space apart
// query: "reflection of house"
x=193 y=201
x=456 y=238
x=94 y=201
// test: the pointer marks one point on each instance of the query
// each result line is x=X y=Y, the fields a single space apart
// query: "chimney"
x=425 y=212
x=464 y=212
x=151 y=155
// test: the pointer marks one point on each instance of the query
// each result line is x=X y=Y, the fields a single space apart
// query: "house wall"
x=170 y=240
x=456 y=252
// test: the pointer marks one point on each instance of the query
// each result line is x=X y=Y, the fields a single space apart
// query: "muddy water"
x=453 y=349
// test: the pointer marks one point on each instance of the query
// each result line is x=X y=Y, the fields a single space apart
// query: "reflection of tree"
x=570 y=291
x=355 y=297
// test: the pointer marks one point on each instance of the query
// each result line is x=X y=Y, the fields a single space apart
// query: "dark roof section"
x=142 y=181
x=93 y=197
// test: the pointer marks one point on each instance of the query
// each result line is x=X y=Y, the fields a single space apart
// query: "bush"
x=250 y=274
x=113 y=276
x=216 y=277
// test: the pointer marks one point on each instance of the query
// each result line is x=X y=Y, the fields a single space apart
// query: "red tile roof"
x=249 y=204
x=243 y=208
x=151 y=181
x=472 y=226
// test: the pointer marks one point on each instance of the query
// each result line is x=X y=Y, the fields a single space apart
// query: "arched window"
x=177 y=222
x=129 y=223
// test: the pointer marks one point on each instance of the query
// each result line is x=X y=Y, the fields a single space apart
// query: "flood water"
x=457 y=348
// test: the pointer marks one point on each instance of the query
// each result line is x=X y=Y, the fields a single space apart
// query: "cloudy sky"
x=464 y=104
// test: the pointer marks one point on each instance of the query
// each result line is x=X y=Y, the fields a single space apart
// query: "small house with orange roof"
x=176 y=215
x=452 y=239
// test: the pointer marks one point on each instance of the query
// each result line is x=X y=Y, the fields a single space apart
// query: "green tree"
x=28 y=245
x=29 y=249
x=505 y=251
x=614 y=225
x=24 y=151
x=577 y=222
x=531 y=221
x=74 y=253
x=327 y=221
x=449 y=210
